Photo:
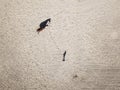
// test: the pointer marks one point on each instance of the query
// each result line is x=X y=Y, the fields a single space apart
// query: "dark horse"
x=43 y=25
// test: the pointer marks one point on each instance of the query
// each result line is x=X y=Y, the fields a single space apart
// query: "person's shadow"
x=64 y=56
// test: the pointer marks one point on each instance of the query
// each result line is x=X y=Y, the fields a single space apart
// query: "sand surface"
x=89 y=30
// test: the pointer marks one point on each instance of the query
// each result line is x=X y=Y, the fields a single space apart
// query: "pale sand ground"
x=88 y=29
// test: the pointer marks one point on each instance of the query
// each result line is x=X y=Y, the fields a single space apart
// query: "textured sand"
x=89 y=30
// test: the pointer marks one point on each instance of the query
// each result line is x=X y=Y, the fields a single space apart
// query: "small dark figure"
x=75 y=76
x=64 y=56
x=43 y=25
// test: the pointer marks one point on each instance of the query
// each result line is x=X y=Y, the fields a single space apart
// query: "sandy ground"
x=89 y=30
